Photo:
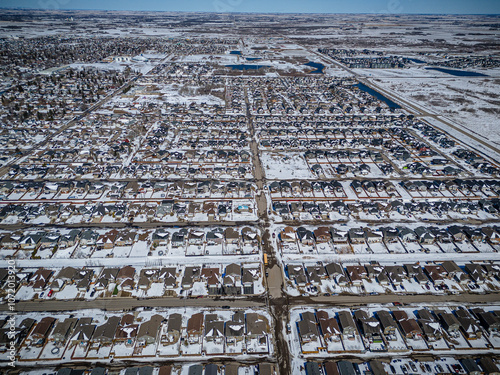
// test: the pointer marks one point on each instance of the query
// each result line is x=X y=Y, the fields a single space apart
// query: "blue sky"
x=282 y=6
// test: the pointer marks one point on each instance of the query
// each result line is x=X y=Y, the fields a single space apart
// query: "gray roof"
x=147 y=370
x=195 y=370
x=106 y=332
x=312 y=368
x=346 y=368
x=174 y=323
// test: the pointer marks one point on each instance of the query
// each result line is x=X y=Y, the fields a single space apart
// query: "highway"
x=411 y=107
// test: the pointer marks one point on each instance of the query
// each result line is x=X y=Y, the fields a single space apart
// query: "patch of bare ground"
x=495 y=111
x=468 y=109
x=419 y=97
x=462 y=100
x=437 y=102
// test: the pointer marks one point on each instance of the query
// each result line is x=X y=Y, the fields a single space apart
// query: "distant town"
x=240 y=194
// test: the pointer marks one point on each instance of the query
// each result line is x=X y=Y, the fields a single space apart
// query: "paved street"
x=125 y=304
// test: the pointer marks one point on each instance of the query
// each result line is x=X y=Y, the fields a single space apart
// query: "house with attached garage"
x=455 y=272
x=83 y=332
x=148 y=331
x=436 y=273
x=450 y=323
x=105 y=333
x=214 y=329
x=430 y=326
x=40 y=279
x=213 y=279
x=191 y=274
x=388 y=324
x=476 y=272
x=468 y=326
x=347 y=324
x=174 y=328
x=195 y=328
x=329 y=326
x=308 y=331
x=160 y=237
x=127 y=330
x=168 y=275
x=40 y=333
x=234 y=332
x=369 y=326
x=257 y=331
x=322 y=235
x=409 y=326
x=31 y=241
x=62 y=331
x=356 y=274
x=108 y=275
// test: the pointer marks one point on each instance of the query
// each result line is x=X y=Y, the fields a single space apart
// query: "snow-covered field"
x=470 y=102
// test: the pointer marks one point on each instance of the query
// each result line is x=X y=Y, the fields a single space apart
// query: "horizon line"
x=244 y=12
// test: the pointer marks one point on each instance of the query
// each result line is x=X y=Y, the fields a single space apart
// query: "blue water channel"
x=418 y=61
x=246 y=67
x=319 y=67
x=377 y=95
x=458 y=73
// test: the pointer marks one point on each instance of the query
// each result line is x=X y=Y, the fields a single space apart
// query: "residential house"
x=160 y=237
x=169 y=277
x=430 y=327
x=213 y=278
x=62 y=331
x=40 y=333
x=83 y=332
x=489 y=367
x=369 y=325
x=312 y=368
x=450 y=323
x=476 y=272
x=488 y=320
x=469 y=327
x=322 y=235
x=40 y=279
x=105 y=333
x=331 y=368
x=436 y=273
x=191 y=274
x=257 y=328
x=356 y=274
x=214 y=329
x=108 y=275
x=454 y=271
x=409 y=326
x=471 y=367
x=329 y=326
x=308 y=330
x=349 y=330
x=127 y=330
x=389 y=325
x=125 y=277
x=235 y=329
x=148 y=331
x=174 y=327
x=288 y=235
x=195 y=328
